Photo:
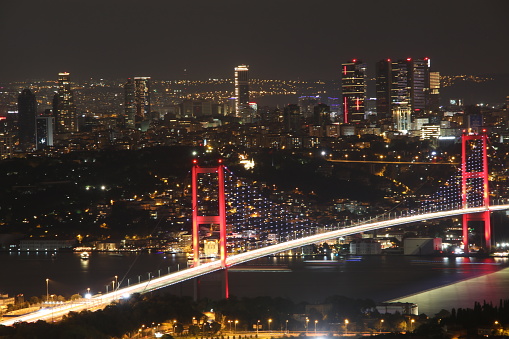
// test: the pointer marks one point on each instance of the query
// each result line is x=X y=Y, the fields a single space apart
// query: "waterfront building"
x=422 y=246
x=365 y=246
x=27 y=110
x=43 y=245
x=353 y=86
x=64 y=109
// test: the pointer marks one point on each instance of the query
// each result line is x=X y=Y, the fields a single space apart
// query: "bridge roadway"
x=100 y=301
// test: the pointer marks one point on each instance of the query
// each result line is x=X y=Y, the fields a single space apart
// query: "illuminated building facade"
x=434 y=91
x=64 y=109
x=403 y=85
x=142 y=98
x=44 y=131
x=129 y=104
x=353 y=86
x=242 y=109
x=27 y=110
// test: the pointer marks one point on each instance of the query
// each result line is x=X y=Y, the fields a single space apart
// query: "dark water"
x=376 y=277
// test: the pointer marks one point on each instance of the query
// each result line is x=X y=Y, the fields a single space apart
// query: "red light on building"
x=408 y=59
x=388 y=60
x=195 y=161
x=354 y=60
x=220 y=161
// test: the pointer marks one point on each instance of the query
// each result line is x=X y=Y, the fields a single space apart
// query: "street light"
x=381 y=323
x=116 y=281
x=236 y=322
x=412 y=325
x=230 y=323
x=47 y=290
x=346 y=326
x=286 y=326
x=270 y=321
x=316 y=322
x=257 y=327
x=307 y=323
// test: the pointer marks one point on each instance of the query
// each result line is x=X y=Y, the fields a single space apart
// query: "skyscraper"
x=353 y=86
x=129 y=104
x=241 y=90
x=434 y=91
x=402 y=88
x=44 y=131
x=384 y=80
x=142 y=98
x=27 y=110
x=64 y=108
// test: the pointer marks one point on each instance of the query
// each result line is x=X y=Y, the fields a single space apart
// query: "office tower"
x=402 y=117
x=335 y=108
x=419 y=84
x=292 y=119
x=353 y=86
x=402 y=86
x=307 y=104
x=384 y=80
x=129 y=104
x=27 y=110
x=64 y=109
x=44 y=131
x=321 y=115
x=241 y=91
x=142 y=98
x=434 y=91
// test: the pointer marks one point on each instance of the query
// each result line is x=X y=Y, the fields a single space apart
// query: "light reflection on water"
x=376 y=277
x=490 y=288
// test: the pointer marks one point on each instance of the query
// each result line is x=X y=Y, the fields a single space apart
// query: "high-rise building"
x=419 y=84
x=402 y=88
x=242 y=91
x=129 y=104
x=27 y=110
x=353 y=86
x=384 y=81
x=142 y=98
x=307 y=104
x=292 y=119
x=434 y=91
x=321 y=115
x=44 y=131
x=64 y=109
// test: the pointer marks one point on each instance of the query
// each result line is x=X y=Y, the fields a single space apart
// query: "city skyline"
x=95 y=39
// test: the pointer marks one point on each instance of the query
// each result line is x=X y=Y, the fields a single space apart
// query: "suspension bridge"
x=214 y=215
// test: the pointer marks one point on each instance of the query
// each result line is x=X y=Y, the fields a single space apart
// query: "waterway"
x=431 y=282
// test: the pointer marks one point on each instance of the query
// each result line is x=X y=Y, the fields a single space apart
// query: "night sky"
x=279 y=39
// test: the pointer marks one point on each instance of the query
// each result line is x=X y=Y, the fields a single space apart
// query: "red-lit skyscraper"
x=353 y=86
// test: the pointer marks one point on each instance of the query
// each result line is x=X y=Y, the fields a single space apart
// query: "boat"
x=84 y=255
